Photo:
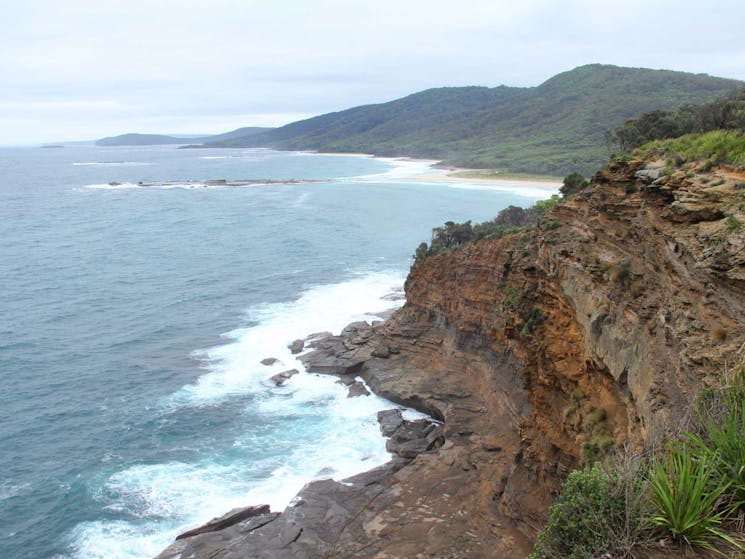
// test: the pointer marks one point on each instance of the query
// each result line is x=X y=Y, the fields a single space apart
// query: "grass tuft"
x=686 y=494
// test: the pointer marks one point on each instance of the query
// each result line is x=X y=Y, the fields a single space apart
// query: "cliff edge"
x=538 y=351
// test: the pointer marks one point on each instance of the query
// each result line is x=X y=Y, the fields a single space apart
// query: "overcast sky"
x=83 y=69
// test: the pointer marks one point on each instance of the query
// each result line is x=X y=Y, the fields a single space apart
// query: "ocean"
x=133 y=319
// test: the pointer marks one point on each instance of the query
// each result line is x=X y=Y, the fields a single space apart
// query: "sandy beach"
x=425 y=171
x=452 y=175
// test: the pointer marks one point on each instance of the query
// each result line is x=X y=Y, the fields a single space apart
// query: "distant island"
x=134 y=139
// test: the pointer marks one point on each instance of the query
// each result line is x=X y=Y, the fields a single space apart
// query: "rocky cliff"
x=537 y=351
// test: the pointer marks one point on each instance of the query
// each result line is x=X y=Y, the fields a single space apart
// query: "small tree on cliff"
x=573 y=183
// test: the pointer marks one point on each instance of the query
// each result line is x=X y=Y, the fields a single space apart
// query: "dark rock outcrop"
x=227 y=520
x=297 y=346
x=281 y=378
x=357 y=389
x=318 y=517
x=390 y=420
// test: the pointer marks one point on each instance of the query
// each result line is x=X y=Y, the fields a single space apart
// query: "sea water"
x=133 y=320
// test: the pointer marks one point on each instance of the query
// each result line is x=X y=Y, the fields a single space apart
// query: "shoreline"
x=450 y=174
x=409 y=428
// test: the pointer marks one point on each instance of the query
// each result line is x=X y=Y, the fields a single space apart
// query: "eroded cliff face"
x=538 y=351
x=598 y=328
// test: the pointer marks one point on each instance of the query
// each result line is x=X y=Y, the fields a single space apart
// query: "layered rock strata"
x=537 y=351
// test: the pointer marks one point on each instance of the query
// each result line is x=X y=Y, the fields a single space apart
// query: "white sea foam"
x=185 y=185
x=112 y=163
x=166 y=186
x=9 y=489
x=310 y=428
x=118 y=540
x=401 y=169
x=234 y=367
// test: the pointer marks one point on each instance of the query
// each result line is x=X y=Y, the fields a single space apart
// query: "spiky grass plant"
x=720 y=433
x=690 y=499
x=722 y=441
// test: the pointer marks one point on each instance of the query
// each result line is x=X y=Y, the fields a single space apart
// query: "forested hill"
x=387 y=126
x=554 y=128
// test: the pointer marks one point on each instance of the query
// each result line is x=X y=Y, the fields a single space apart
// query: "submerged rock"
x=270 y=361
x=281 y=378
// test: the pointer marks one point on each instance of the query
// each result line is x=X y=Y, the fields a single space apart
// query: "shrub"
x=550 y=225
x=452 y=236
x=685 y=494
x=532 y=321
x=600 y=510
x=620 y=273
x=732 y=224
x=542 y=206
x=573 y=183
x=718 y=334
x=715 y=147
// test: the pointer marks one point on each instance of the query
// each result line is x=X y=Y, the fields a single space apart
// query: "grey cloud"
x=88 y=68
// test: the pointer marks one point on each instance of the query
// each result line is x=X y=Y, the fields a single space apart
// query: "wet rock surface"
x=613 y=310
x=227 y=520
x=313 y=526
x=357 y=389
x=296 y=346
x=281 y=378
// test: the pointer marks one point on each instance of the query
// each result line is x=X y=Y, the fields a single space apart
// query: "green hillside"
x=386 y=126
x=554 y=128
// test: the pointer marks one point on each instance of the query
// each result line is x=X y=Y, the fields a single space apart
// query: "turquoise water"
x=133 y=320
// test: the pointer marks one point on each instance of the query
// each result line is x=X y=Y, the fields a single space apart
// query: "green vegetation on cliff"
x=726 y=113
x=512 y=219
x=720 y=147
x=690 y=492
x=555 y=128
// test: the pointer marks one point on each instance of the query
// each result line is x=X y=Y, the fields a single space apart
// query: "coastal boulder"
x=389 y=420
x=357 y=389
x=296 y=346
x=281 y=378
x=414 y=437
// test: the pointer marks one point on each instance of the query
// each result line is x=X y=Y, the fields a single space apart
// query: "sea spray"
x=307 y=429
